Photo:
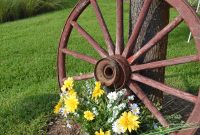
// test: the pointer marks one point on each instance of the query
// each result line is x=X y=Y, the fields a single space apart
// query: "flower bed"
x=98 y=112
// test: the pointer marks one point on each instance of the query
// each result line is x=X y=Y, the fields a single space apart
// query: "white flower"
x=69 y=125
x=95 y=111
x=87 y=103
x=109 y=106
x=110 y=120
x=76 y=114
x=121 y=92
x=135 y=109
x=131 y=97
x=155 y=126
x=115 y=108
x=64 y=112
x=115 y=111
x=89 y=87
x=117 y=128
x=121 y=106
x=112 y=96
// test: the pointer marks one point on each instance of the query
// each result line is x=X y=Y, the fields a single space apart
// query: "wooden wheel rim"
x=186 y=14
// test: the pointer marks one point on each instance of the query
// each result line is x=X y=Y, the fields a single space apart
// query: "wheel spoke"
x=89 y=38
x=81 y=77
x=135 y=33
x=156 y=39
x=167 y=89
x=79 y=56
x=164 y=63
x=119 y=28
x=107 y=37
x=141 y=95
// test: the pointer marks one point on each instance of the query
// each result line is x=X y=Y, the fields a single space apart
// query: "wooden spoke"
x=167 y=89
x=82 y=77
x=79 y=56
x=107 y=37
x=156 y=39
x=135 y=33
x=119 y=28
x=141 y=95
x=164 y=63
x=89 y=38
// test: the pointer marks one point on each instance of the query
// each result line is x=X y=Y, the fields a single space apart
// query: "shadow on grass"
x=31 y=107
x=28 y=115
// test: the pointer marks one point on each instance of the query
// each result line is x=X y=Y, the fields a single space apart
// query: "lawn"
x=28 y=85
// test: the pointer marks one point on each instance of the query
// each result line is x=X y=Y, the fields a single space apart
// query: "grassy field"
x=28 y=85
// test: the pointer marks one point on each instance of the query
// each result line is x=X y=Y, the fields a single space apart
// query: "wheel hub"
x=112 y=71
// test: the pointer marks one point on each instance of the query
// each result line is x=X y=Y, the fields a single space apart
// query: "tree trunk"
x=156 y=19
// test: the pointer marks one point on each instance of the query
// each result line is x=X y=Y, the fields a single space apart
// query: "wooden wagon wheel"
x=116 y=66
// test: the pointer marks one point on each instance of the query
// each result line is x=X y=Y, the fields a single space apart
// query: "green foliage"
x=171 y=129
x=193 y=2
x=16 y=9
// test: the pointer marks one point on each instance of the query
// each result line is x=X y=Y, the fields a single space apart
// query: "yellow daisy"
x=97 y=92
x=88 y=115
x=57 y=107
x=71 y=92
x=71 y=104
x=102 y=133
x=69 y=83
x=129 y=121
x=63 y=88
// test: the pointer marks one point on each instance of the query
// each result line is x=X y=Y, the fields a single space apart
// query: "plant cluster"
x=16 y=9
x=109 y=113
x=99 y=112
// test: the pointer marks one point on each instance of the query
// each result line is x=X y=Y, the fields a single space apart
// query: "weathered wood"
x=157 y=18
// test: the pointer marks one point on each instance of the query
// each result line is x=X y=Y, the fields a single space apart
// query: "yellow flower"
x=63 y=88
x=97 y=84
x=97 y=92
x=102 y=133
x=57 y=107
x=71 y=103
x=71 y=92
x=88 y=115
x=69 y=83
x=129 y=121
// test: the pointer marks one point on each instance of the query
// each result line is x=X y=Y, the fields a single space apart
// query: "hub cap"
x=113 y=71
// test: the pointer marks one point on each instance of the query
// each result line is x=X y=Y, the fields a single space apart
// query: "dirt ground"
x=173 y=104
x=58 y=127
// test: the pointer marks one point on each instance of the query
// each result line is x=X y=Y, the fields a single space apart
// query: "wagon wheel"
x=117 y=61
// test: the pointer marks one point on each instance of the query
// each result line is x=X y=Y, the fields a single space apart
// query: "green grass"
x=16 y=9
x=28 y=48
x=28 y=72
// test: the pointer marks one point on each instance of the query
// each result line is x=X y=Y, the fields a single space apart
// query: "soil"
x=58 y=127
x=172 y=104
